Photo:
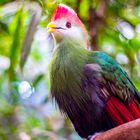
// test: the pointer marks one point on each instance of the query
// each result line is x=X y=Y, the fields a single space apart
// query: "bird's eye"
x=68 y=25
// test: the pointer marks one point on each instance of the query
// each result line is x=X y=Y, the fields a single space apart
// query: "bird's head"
x=66 y=25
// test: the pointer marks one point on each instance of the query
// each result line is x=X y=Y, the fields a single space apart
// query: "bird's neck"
x=70 y=52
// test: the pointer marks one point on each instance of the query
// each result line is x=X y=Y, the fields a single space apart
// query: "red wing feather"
x=120 y=113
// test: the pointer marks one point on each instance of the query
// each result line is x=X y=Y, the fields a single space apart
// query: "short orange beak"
x=51 y=27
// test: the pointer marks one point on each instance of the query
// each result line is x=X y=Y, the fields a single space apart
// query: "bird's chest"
x=66 y=84
x=69 y=93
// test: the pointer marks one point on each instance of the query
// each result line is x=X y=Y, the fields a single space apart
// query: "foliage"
x=26 y=110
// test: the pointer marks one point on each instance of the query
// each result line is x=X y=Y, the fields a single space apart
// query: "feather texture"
x=91 y=88
x=70 y=93
x=83 y=82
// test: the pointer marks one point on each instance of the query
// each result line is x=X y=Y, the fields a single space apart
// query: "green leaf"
x=15 y=46
x=4 y=27
x=37 y=79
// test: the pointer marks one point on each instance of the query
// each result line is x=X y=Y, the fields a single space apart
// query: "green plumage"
x=67 y=64
x=66 y=73
x=81 y=83
x=89 y=87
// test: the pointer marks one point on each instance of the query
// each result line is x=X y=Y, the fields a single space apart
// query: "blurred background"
x=26 y=109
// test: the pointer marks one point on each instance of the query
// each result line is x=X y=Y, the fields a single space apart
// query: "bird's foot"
x=93 y=137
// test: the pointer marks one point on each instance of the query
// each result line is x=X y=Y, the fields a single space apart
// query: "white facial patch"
x=74 y=33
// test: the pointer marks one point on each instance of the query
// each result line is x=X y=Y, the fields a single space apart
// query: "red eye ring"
x=68 y=24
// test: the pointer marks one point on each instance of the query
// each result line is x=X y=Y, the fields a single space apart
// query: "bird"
x=89 y=87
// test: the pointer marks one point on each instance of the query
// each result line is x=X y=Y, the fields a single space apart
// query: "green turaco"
x=89 y=87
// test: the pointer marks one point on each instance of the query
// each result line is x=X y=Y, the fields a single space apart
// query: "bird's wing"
x=106 y=77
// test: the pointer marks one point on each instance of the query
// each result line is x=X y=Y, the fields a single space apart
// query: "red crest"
x=63 y=11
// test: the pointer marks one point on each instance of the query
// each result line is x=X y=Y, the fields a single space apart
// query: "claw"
x=93 y=137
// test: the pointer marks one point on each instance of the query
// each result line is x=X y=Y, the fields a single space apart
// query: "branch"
x=127 y=131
